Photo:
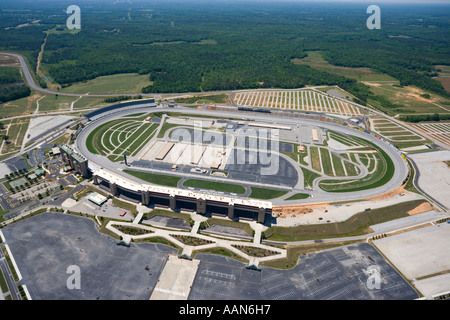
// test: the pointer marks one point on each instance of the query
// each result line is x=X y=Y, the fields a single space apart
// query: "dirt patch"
x=416 y=93
x=373 y=84
x=292 y=210
x=424 y=207
x=445 y=82
x=8 y=61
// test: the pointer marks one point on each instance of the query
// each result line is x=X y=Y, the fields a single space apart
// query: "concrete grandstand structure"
x=180 y=199
x=173 y=198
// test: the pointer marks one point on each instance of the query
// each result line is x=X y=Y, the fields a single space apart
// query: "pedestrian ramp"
x=176 y=279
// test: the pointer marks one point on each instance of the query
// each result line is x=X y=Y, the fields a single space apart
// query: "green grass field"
x=3 y=286
x=326 y=161
x=93 y=141
x=47 y=103
x=315 y=158
x=309 y=176
x=409 y=99
x=316 y=60
x=18 y=107
x=116 y=137
x=210 y=99
x=298 y=196
x=213 y=185
x=381 y=175
x=16 y=133
x=358 y=224
x=159 y=179
x=128 y=83
x=266 y=194
x=55 y=103
x=338 y=167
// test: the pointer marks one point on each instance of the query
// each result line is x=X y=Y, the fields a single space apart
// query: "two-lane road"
x=32 y=84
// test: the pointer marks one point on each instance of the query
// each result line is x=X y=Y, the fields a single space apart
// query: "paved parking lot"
x=419 y=253
x=434 y=174
x=44 y=247
x=167 y=222
x=337 y=274
x=261 y=167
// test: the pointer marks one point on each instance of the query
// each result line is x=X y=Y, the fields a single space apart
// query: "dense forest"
x=206 y=46
x=12 y=86
x=424 y=118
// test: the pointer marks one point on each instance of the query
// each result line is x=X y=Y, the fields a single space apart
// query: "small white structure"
x=97 y=198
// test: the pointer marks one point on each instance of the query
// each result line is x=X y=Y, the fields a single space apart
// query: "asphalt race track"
x=400 y=172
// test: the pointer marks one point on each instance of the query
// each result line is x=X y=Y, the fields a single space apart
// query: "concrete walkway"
x=141 y=211
x=211 y=242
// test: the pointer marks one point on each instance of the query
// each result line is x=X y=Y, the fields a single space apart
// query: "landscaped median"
x=155 y=178
x=214 y=185
x=3 y=286
x=11 y=263
x=189 y=243
x=266 y=194
x=172 y=181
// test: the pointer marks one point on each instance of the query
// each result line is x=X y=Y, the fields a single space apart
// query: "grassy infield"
x=96 y=144
x=172 y=181
x=380 y=176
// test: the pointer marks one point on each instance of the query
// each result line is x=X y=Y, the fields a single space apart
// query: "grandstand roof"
x=137 y=187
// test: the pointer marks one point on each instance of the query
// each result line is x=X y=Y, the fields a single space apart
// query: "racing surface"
x=400 y=172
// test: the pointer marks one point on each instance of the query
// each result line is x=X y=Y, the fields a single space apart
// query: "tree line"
x=12 y=86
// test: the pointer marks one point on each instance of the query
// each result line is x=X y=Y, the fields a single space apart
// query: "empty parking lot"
x=44 y=247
